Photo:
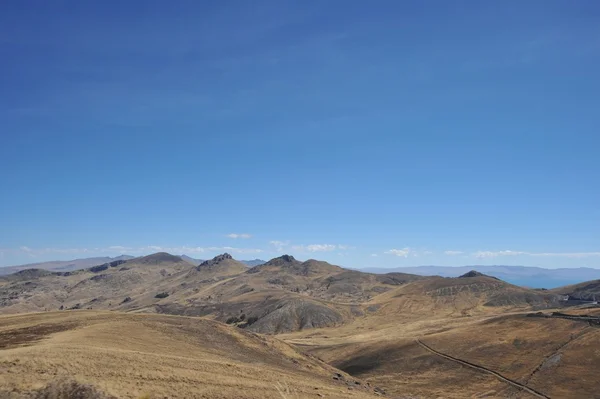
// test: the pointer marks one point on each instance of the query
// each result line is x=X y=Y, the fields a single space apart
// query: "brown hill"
x=384 y=328
x=63 y=265
x=479 y=356
x=463 y=295
x=281 y=295
x=285 y=294
x=159 y=356
x=104 y=286
x=222 y=265
x=587 y=291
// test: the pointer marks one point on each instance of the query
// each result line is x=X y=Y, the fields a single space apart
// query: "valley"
x=224 y=329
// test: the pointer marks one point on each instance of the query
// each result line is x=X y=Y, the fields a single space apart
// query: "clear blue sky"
x=392 y=133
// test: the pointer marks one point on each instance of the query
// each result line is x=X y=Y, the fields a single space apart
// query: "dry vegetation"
x=407 y=336
x=131 y=355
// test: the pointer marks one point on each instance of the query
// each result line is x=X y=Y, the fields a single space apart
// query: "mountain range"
x=526 y=276
x=75 y=264
x=291 y=328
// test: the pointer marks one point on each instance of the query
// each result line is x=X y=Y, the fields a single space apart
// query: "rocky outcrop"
x=157 y=258
x=215 y=260
x=295 y=315
x=474 y=273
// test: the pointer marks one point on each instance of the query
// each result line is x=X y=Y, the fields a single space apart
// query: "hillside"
x=285 y=294
x=248 y=263
x=159 y=356
x=281 y=295
x=524 y=276
x=383 y=328
x=552 y=356
x=472 y=293
x=63 y=265
x=105 y=286
x=588 y=290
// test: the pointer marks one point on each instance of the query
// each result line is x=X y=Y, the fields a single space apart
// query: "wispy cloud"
x=374 y=255
x=279 y=246
x=453 y=253
x=495 y=254
x=319 y=247
x=243 y=235
x=404 y=252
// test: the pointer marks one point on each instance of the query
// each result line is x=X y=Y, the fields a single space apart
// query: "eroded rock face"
x=472 y=273
x=295 y=315
x=215 y=260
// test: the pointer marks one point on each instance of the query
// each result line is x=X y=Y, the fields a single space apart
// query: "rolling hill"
x=159 y=356
x=404 y=333
x=588 y=290
x=526 y=276
x=63 y=266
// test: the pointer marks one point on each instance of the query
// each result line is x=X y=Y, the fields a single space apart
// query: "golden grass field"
x=555 y=357
x=398 y=336
x=155 y=356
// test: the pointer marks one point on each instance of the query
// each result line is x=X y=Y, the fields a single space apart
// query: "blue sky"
x=387 y=134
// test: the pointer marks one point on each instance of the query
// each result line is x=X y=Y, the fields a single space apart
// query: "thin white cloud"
x=568 y=254
x=495 y=254
x=453 y=253
x=236 y=235
x=280 y=246
x=404 y=252
x=320 y=247
x=374 y=255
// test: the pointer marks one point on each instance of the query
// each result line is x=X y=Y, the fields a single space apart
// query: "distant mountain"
x=63 y=265
x=525 y=276
x=191 y=260
x=249 y=263
x=255 y=262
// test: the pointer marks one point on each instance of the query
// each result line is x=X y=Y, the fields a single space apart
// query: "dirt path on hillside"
x=484 y=370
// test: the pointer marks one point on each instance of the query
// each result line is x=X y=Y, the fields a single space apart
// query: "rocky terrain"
x=402 y=333
x=281 y=295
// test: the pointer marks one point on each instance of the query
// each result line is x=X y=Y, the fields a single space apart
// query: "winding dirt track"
x=484 y=370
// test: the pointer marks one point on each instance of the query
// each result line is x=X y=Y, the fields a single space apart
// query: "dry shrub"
x=68 y=389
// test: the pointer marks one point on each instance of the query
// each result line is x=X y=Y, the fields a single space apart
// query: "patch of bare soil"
x=29 y=335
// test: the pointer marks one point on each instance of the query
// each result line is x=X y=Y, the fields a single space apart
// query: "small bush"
x=251 y=320
x=68 y=389
x=98 y=269
x=161 y=295
x=128 y=299
x=117 y=263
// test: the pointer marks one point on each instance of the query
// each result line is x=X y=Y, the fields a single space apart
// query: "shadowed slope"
x=588 y=290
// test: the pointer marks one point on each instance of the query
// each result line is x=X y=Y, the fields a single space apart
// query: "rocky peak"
x=159 y=257
x=282 y=260
x=475 y=273
x=215 y=260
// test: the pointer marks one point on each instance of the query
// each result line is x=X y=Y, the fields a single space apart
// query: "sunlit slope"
x=129 y=355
